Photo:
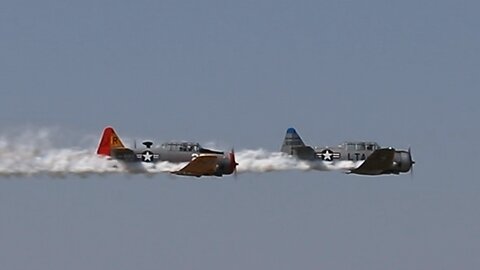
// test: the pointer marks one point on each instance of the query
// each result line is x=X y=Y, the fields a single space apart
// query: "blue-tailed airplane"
x=367 y=158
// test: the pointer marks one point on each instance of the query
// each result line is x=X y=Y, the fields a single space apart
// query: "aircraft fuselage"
x=368 y=157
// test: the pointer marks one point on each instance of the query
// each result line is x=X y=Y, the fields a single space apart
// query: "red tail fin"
x=109 y=140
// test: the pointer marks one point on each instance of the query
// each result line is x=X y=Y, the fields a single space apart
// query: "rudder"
x=292 y=140
x=109 y=141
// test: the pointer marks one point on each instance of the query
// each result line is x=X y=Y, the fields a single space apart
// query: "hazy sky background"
x=402 y=73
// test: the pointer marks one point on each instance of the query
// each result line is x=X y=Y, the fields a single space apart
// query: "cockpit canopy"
x=181 y=146
x=360 y=146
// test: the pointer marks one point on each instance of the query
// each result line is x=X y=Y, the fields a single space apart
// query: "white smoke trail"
x=263 y=161
x=343 y=165
x=33 y=153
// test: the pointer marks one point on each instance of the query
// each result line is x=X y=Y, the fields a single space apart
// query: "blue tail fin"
x=293 y=145
x=292 y=140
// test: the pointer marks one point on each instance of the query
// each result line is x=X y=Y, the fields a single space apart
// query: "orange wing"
x=202 y=165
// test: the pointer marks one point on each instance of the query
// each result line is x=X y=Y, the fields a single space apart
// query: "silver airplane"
x=201 y=161
x=367 y=158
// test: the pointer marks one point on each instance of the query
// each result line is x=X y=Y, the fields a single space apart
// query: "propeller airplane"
x=201 y=161
x=366 y=158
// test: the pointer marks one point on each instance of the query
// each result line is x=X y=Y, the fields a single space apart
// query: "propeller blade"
x=412 y=162
x=233 y=162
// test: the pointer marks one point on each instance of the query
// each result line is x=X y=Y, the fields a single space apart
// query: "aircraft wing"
x=202 y=165
x=378 y=162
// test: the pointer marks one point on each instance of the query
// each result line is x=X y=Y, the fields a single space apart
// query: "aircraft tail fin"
x=292 y=140
x=109 y=141
x=293 y=145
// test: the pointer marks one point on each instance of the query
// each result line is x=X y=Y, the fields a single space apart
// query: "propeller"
x=411 y=161
x=233 y=162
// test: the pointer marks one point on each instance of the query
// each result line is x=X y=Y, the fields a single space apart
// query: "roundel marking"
x=147 y=156
x=327 y=155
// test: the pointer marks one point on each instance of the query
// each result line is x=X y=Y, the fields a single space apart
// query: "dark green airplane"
x=367 y=158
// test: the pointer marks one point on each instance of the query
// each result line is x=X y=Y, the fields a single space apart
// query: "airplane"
x=201 y=161
x=366 y=158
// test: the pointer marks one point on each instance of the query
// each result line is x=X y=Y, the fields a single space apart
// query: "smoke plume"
x=35 y=152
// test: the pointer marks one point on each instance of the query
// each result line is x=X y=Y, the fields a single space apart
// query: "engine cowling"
x=402 y=162
x=227 y=164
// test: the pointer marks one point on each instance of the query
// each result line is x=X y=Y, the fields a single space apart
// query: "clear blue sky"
x=403 y=73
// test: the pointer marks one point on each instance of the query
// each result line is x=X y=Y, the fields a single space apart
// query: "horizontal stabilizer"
x=305 y=153
x=124 y=154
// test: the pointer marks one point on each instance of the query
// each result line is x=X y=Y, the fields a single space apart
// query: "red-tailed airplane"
x=201 y=161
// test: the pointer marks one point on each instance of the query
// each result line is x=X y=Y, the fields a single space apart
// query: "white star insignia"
x=327 y=156
x=147 y=156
